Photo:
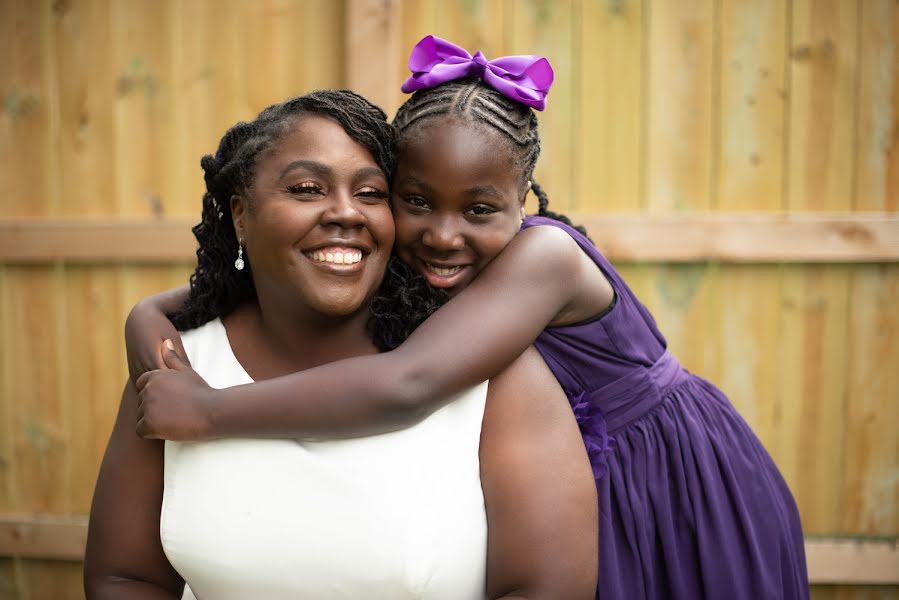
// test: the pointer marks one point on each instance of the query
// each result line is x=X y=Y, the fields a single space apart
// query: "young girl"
x=690 y=504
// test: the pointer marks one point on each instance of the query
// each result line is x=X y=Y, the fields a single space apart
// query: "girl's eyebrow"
x=409 y=179
x=482 y=190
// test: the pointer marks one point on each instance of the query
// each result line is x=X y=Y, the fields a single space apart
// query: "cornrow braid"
x=471 y=98
x=216 y=287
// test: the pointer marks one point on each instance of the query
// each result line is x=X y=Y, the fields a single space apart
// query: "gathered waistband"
x=641 y=392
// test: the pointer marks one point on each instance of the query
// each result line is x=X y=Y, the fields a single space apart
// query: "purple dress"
x=691 y=505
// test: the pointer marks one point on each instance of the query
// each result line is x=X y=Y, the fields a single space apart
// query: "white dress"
x=398 y=515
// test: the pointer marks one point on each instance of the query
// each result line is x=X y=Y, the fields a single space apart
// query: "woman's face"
x=458 y=200
x=316 y=226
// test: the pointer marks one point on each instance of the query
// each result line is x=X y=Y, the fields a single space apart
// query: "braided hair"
x=481 y=104
x=216 y=287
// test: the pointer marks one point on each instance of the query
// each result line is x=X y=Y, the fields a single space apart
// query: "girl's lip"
x=442 y=280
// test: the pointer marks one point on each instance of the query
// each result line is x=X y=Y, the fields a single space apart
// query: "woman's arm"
x=147 y=327
x=470 y=339
x=538 y=489
x=124 y=557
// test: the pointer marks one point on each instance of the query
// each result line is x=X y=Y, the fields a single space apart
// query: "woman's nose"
x=343 y=210
x=443 y=235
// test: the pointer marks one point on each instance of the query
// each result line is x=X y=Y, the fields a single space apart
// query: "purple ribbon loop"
x=525 y=79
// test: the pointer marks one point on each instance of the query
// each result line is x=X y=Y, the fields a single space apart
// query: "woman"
x=382 y=517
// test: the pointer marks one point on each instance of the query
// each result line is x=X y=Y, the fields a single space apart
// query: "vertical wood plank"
x=209 y=96
x=25 y=111
x=822 y=398
x=142 y=98
x=751 y=151
x=418 y=19
x=37 y=434
x=682 y=298
x=372 y=46
x=680 y=92
x=824 y=68
x=871 y=462
x=822 y=81
x=557 y=37
x=877 y=155
x=94 y=344
x=52 y=579
x=610 y=101
x=323 y=49
x=751 y=128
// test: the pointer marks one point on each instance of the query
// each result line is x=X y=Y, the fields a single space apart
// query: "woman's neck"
x=269 y=343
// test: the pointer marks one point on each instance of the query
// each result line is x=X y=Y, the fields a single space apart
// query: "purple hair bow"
x=525 y=79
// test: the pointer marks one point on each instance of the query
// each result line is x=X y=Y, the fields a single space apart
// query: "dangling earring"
x=238 y=264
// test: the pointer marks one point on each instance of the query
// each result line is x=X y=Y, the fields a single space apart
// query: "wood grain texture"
x=682 y=103
x=734 y=237
x=675 y=115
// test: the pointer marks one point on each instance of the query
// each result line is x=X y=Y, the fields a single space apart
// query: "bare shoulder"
x=526 y=385
x=559 y=260
x=538 y=488
x=547 y=248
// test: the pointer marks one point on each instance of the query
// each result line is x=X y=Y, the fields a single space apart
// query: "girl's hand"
x=173 y=402
x=145 y=330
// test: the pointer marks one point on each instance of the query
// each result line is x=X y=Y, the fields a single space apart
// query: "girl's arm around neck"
x=147 y=327
x=470 y=339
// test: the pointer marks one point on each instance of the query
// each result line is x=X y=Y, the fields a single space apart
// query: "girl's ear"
x=238 y=213
x=524 y=197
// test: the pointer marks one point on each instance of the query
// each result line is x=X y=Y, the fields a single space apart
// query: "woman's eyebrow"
x=369 y=172
x=310 y=165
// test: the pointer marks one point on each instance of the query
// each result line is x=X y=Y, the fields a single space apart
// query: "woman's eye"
x=304 y=188
x=372 y=194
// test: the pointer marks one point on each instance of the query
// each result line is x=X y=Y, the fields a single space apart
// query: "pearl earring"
x=238 y=264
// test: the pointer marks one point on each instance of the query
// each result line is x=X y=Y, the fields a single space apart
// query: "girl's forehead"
x=457 y=143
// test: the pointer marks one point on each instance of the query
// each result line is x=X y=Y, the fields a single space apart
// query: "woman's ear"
x=238 y=214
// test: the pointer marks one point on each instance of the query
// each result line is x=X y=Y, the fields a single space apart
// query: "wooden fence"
x=739 y=159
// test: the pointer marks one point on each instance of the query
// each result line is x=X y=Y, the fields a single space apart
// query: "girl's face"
x=458 y=199
x=317 y=227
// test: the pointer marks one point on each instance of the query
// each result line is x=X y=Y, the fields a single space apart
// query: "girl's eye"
x=481 y=210
x=416 y=201
x=304 y=188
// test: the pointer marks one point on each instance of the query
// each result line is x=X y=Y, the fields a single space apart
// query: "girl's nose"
x=444 y=236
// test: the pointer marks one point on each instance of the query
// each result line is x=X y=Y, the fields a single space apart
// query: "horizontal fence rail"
x=691 y=237
x=848 y=560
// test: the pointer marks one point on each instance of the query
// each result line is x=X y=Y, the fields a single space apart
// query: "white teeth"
x=337 y=258
x=441 y=270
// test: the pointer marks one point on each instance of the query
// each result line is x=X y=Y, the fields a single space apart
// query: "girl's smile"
x=456 y=210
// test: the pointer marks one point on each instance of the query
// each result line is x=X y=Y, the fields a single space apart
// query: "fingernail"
x=169 y=344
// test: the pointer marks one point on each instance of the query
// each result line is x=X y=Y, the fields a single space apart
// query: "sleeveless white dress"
x=392 y=516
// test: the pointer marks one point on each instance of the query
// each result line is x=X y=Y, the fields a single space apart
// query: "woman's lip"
x=318 y=258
